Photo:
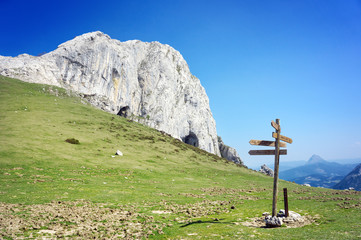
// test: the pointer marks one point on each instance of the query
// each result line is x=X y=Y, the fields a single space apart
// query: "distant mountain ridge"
x=352 y=180
x=315 y=159
x=317 y=172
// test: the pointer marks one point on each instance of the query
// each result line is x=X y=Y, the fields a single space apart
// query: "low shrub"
x=72 y=141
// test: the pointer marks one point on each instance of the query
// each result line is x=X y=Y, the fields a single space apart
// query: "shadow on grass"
x=217 y=221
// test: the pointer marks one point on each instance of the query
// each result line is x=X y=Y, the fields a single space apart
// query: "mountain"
x=353 y=179
x=288 y=165
x=315 y=159
x=317 y=172
x=147 y=82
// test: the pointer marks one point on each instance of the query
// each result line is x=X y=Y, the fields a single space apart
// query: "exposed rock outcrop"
x=229 y=153
x=266 y=170
x=148 y=82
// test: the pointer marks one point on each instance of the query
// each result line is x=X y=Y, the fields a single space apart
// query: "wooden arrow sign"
x=267 y=152
x=266 y=143
x=283 y=138
x=275 y=125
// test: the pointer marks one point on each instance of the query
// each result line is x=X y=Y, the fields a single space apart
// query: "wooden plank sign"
x=266 y=143
x=275 y=125
x=267 y=152
x=283 y=138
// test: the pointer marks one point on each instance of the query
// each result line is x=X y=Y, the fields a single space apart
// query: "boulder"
x=266 y=170
x=273 y=221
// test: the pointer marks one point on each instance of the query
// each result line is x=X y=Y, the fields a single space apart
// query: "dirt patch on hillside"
x=79 y=219
x=258 y=222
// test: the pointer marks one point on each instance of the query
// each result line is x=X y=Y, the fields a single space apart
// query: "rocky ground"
x=85 y=220
x=80 y=219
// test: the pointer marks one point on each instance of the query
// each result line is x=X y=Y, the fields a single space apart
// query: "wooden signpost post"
x=277 y=152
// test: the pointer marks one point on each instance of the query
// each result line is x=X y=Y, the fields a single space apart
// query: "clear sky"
x=299 y=61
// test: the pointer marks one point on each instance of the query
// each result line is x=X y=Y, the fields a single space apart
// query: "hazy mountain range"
x=352 y=180
x=318 y=172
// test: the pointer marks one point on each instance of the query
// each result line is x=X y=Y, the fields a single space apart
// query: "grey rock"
x=281 y=218
x=281 y=213
x=147 y=82
x=229 y=153
x=273 y=221
x=119 y=153
x=266 y=170
x=265 y=214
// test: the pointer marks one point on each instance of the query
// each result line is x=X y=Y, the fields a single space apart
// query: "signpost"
x=277 y=152
x=283 y=138
x=267 y=152
x=266 y=143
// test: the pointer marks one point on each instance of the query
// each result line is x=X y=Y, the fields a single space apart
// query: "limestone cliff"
x=229 y=153
x=149 y=82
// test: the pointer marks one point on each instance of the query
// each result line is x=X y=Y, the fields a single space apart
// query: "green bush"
x=72 y=141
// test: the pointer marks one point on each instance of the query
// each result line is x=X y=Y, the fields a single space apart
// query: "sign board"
x=283 y=138
x=267 y=152
x=266 y=143
x=275 y=125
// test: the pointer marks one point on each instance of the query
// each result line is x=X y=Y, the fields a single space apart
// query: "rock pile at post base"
x=277 y=221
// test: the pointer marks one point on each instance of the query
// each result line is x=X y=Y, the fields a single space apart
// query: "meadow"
x=160 y=188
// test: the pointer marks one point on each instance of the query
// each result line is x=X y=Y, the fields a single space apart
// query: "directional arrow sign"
x=267 y=152
x=266 y=143
x=275 y=125
x=283 y=138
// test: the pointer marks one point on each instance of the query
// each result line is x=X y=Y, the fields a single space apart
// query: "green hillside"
x=160 y=189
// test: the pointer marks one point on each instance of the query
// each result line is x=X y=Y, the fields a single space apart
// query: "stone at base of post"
x=273 y=221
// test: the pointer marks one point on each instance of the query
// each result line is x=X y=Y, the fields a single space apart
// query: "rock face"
x=147 y=82
x=266 y=170
x=352 y=180
x=229 y=152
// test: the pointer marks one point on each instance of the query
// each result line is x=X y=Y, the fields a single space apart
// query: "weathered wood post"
x=277 y=161
x=277 y=152
x=285 y=198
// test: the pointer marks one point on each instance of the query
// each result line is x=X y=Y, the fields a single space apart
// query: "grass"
x=161 y=188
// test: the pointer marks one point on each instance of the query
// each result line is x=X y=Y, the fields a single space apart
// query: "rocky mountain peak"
x=147 y=82
x=315 y=159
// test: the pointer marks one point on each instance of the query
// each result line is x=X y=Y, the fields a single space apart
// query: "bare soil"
x=80 y=219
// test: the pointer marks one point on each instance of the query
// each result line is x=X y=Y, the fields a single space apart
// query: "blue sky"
x=258 y=60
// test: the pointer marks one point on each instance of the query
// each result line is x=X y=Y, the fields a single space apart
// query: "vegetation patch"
x=72 y=141
x=160 y=189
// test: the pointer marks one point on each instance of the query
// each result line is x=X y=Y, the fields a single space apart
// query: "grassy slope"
x=156 y=172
